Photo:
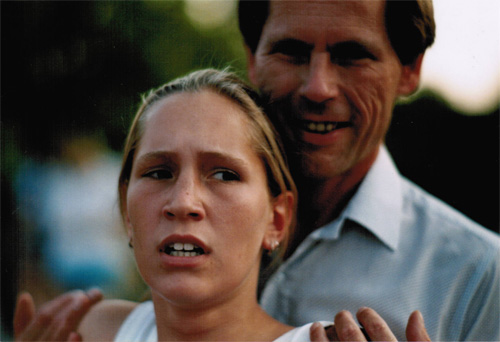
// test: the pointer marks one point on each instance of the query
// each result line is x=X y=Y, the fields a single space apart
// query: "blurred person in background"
x=75 y=234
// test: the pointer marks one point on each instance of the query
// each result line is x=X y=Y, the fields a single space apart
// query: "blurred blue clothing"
x=76 y=227
x=397 y=249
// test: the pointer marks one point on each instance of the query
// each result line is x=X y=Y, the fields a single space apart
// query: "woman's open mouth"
x=180 y=249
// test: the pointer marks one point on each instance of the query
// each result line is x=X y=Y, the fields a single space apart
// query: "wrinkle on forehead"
x=370 y=11
x=326 y=23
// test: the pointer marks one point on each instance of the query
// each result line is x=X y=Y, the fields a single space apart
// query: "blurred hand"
x=56 y=320
x=375 y=328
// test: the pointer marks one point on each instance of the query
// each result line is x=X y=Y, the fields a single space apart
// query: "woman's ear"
x=410 y=77
x=129 y=226
x=124 y=210
x=282 y=215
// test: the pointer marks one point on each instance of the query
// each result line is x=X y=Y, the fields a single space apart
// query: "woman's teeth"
x=183 y=250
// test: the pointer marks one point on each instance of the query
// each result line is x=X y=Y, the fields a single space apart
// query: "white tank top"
x=140 y=326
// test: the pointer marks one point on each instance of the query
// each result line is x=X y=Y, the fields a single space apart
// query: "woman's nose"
x=184 y=201
x=320 y=82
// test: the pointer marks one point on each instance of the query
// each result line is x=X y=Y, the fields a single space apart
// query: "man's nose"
x=183 y=201
x=320 y=81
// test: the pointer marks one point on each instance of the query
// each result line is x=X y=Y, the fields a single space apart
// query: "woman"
x=204 y=191
x=199 y=208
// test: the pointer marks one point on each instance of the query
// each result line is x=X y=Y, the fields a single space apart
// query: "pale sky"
x=464 y=63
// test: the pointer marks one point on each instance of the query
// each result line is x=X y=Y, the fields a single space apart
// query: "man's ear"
x=282 y=215
x=250 y=64
x=410 y=77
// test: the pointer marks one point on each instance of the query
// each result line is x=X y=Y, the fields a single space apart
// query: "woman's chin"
x=189 y=296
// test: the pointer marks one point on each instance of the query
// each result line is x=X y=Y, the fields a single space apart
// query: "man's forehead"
x=373 y=9
x=309 y=19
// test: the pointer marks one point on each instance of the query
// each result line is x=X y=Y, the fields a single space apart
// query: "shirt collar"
x=376 y=206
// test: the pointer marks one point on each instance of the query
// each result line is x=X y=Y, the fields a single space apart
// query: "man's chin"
x=315 y=166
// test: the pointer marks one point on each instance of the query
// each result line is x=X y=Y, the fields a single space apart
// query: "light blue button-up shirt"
x=397 y=249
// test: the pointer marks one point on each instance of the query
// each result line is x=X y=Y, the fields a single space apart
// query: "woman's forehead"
x=201 y=120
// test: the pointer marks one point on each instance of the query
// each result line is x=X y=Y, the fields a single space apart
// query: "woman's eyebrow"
x=223 y=157
x=166 y=156
x=155 y=156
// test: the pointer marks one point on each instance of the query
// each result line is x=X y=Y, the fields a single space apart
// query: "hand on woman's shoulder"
x=103 y=321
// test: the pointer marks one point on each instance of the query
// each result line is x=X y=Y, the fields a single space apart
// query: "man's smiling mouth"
x=322 y=127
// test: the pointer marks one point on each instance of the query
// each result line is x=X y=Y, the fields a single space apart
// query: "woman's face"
x=198 y=208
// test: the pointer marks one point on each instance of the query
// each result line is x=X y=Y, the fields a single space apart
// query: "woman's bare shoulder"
x=103 y=321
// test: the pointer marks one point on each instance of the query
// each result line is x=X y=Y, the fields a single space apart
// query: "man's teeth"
x=183 y=250
x=323 y=127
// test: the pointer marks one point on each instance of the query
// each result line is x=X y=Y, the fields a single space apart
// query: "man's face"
x=332 y=78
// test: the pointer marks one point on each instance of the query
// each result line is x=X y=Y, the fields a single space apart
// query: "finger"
x=317 y=333
x=347 y=328
x=59 y=317
x=94 y=295
x=375 y=326
x=68 y=316
x=415 y=330
x=75 y=337
x=331 y=333
x=41 y=326
x=24 y=313
x=72 y=315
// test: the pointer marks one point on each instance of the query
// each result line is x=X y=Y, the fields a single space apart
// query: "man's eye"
x=298 y=59
x=226 y=175
x=295 y=56
x=294 y=51
x=159 y=174
x=349 y=53
x=348 y=60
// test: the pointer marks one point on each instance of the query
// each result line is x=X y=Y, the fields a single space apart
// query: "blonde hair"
x=262 y=133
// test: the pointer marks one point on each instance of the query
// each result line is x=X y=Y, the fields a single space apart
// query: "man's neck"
x=322 y=200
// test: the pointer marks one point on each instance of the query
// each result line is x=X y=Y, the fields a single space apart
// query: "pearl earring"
x=274 y=245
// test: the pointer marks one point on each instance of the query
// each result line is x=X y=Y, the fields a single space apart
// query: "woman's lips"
x=177 y=245
x=179 y=249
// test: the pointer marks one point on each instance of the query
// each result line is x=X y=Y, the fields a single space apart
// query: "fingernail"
x=363 y=308
x=420 y=317
x=316 y=325
x=74 y=337
x=94 y=293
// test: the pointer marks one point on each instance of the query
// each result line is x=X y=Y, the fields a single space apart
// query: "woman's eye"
x=226 y=175
x=159 y=174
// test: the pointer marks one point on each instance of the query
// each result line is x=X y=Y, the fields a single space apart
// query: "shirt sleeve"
x=481 y=320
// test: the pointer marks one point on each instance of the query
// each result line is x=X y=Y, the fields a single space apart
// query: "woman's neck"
x=226 y=321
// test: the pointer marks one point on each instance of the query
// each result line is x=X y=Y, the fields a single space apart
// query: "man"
x=331 y=72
